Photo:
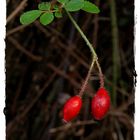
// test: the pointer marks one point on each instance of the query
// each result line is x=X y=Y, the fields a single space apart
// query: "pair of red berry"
x=99 y=106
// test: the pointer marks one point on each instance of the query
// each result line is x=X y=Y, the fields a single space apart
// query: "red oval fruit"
x=100 y=104
x=72 y=108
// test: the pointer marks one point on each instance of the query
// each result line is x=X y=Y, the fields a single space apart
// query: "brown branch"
x=72 y=53
x=58 y=71
x=126 y=104
x=11 y=125
x=16 y=11
x=15 y=29
x=96 y=26
x=42 y=29
x=70 y=125
x=120 y=114
x=20 y=48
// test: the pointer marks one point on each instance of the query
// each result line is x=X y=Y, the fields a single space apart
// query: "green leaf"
x=58 y=14
x=30 y=16
x=46 y=18
x=90 y=7
x=63 y=1
x=44 y=6
x=56 y=7
x=74 y=5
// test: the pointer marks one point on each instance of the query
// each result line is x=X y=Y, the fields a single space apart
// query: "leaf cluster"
x=47 y=11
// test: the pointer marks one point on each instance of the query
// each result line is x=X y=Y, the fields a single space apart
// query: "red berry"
x=72 y=108
x=100 y=104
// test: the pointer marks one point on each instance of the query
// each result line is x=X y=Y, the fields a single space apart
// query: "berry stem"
x=101 y=76
x=83 y=87
x=94 y=56
x=82 y=34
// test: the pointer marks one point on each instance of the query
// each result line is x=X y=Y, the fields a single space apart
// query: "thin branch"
x=83 y=87
x=15 y=30
x=20 y=48
x=11 y=125
x=62 y=73
x=82 y=34
x=115 y=43
x=71 y=125
x=94 y=55
x=96 y=25
x=16 y=11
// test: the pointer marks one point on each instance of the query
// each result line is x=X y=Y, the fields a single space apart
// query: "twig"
x=101 y=76
x=119 y=89
x=16 y=11
x=42 y=29
x=83 y=35
x=70 y=125
x=73 y=54
x=126 y=104
x=19 y=47
x=96 y=25
x=48 y=31
x=18 y=118
x=118 y=128
x=115 y=42
x=15 y=30
x=7 y=1
x=58 y=71
x=120 y=114
x=94 y=56
x=83 y=87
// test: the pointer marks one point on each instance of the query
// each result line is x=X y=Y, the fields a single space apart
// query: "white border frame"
x=137 y=67
x=2 y=68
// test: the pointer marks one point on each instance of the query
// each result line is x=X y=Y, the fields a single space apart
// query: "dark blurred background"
x=45 y=65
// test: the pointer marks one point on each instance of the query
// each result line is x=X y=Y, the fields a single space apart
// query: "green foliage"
x=44 y=6
x=74 y=5
x=90 y=7
x=56 y=7
x=63 y=1
x=58 y=14
x=47 y=13
x=46 y=18
x=30 y=16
